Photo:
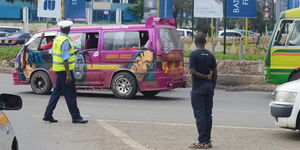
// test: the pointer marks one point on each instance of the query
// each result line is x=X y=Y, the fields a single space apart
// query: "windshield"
x=170 y=39
x=9 y=30
x=11 y=35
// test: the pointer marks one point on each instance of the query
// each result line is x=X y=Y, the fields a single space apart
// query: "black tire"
x=40 y=83
x=150 y=93
x=124 y=85
x=295 y=76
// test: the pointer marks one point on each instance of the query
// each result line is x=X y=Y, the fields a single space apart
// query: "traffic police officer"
x=204 y=77
x=63 y=65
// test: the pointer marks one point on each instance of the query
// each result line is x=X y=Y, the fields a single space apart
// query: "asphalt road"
x=165 y=122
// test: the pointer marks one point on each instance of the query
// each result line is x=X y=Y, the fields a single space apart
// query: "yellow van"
x=282 y=63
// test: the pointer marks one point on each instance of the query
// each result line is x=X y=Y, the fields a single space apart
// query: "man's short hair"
x=200 y=38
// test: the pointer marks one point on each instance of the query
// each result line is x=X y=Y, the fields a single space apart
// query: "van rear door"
x=171 y=52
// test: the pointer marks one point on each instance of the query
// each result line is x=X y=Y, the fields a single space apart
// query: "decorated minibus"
x=123 y=58
x=282 y=62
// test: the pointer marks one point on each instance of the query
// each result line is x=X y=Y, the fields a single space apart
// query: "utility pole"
x=192 y=19
x=225 y=22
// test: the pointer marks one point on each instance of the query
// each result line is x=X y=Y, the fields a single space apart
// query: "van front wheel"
x=295 y=76
x=40 y=83
x=124 y=85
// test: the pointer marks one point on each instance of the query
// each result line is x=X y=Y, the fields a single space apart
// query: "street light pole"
x=225 y=22
x=192 y=19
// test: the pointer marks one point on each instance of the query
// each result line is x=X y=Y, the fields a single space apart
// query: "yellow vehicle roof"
x=292 y=13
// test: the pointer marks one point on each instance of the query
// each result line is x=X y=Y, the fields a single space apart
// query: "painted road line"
x=191 y=125
x=123 y=137
x=179 y=124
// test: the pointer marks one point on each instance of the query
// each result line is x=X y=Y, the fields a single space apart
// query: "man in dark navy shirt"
x=204 y=77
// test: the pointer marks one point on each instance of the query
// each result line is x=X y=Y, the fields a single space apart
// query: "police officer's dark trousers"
x=69 y=92
x=202 y=103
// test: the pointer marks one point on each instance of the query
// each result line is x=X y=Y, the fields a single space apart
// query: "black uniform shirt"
x=203 y=61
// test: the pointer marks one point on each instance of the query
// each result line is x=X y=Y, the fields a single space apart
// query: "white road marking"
x=178 y=124
x=123 y=137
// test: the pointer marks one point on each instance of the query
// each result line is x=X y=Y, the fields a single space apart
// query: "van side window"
x=91 y=41
x=131 y=40
x=77 y=39
x=282 y=33
x=294 y=38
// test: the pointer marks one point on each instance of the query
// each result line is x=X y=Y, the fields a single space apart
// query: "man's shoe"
x=79 y=121
x=50 y=119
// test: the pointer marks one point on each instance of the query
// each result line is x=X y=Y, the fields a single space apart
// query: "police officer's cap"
x=64 y=24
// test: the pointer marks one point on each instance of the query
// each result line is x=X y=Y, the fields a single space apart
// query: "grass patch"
x=9 y=52
x=220 y=55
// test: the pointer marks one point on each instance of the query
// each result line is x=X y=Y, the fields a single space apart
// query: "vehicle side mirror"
x=10 y=102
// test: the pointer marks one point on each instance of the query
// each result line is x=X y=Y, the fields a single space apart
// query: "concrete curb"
x=7 y=70
x=228 y=82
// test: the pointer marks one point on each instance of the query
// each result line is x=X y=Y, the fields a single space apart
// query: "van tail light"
x=14 y=40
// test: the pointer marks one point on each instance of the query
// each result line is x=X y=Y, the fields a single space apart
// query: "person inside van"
x=295 y=41
x=144 y=39
x=49 y=44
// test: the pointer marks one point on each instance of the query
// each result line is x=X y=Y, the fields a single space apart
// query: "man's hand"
x=209 y=77
x=43 y=35
x=68 y=79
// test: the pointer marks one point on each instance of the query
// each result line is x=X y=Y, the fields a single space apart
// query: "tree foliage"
x=138 y=10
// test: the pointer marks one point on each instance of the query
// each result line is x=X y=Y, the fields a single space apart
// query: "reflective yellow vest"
x=58 y=64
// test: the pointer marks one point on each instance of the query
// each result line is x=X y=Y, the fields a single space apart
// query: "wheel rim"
x=123 y=86
x=39 y=83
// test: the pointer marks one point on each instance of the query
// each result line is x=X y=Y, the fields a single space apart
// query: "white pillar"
x=26 y=19
x=119 y=16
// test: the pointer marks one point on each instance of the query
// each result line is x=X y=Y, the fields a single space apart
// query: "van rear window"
x=170 y=39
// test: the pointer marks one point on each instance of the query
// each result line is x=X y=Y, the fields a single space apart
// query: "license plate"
x=5 y=41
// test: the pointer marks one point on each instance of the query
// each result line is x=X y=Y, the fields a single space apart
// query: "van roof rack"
x=151 y=21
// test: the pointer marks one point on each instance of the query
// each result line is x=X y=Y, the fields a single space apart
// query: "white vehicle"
x=8 y=140
x=285 y=105
x=230 y=33
x=185 y=33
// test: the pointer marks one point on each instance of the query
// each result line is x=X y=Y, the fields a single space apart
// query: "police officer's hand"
x=69 y=79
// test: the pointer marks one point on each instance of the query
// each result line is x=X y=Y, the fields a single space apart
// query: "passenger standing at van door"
x=204 y=77
x=63 y=65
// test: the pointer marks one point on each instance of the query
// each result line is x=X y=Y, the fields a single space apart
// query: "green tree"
x=138 y=10
x=182 y=6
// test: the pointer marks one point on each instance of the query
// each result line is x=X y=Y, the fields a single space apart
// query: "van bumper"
x=278 y=110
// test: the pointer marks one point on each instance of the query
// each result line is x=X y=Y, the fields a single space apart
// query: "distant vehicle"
x=8 y=140
x=230 y=33
x=15 y=38
x=185 y=33
x=285 y=105
x=4 y=30
x=250 y=33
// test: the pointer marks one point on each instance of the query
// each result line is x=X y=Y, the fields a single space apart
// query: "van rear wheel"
x=295 y=76
x=149 y=93
x=40 y=83
x=124 y=85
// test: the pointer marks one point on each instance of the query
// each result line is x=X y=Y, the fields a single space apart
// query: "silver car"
x=8 y=140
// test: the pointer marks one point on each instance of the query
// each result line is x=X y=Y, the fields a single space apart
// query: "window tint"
x=91 y=41
x=170 y=39
x=121 y=40
x=282 y=32
x=294 y=38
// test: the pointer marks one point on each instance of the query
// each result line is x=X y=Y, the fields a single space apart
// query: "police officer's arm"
x=66 y=55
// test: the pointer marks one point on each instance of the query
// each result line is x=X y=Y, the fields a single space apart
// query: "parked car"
x=185 y=33
x=250 y=33
x=230 y=33
x=4 y=30
x=285 y=105
x=8 y=140
x=15 y=38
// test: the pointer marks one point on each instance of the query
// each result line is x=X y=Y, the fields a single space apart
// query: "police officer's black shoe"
x=50 y=119
x=79 y=121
